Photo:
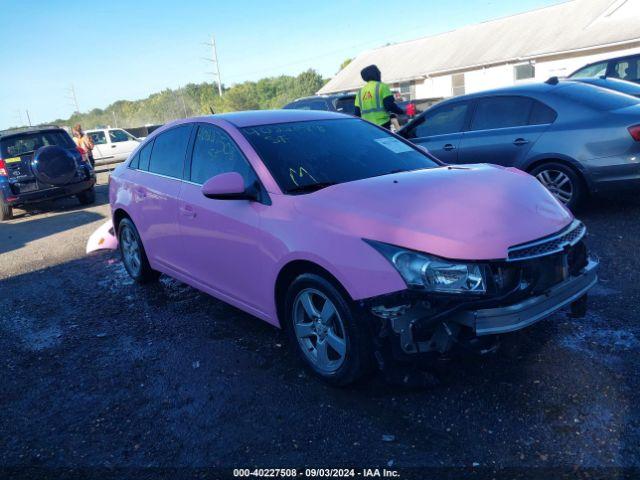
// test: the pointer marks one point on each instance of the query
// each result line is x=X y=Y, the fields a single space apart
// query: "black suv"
x=41 y=163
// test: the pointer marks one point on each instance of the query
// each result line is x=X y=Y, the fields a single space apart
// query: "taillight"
x=3 y=169
x=635 y=132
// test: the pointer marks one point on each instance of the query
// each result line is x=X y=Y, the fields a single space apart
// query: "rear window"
x=22 y=143
x=594 y=97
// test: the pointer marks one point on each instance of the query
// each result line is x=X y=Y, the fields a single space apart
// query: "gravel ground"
x=100 y=373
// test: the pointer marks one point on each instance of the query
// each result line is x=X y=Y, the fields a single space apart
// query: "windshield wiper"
x=311 y=187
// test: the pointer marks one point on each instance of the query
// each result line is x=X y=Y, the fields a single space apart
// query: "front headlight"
x=425 y=272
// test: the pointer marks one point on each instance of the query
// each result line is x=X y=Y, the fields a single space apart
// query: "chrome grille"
x=548 y=245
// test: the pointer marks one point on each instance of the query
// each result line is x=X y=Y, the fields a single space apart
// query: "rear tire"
x=87 y=197
x=133 y=254
x=327 y=331
x=563 y=182
x=6 y=211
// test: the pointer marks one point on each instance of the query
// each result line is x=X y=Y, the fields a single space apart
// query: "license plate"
x=12 y=160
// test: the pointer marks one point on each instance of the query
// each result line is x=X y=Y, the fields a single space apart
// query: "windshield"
x=27 y=142
x=327 y=152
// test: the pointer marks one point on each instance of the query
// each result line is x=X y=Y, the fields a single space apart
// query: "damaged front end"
x=536 y=280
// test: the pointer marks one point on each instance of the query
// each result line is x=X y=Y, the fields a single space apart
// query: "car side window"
x=135 y=161
x=541 y=114
x=627 y=69
x=214 y=152
x=501 y=112
x=145 y=156
x=99 y=138
x=117 y=136
x=442 y=120
x=346 y=105
x=169 y=152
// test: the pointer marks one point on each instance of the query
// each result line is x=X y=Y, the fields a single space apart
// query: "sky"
x=116 y=49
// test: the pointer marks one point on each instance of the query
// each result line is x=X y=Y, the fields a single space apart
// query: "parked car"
x=574 y=137
x=41 y=163
x=622 y=86
x=112 y=144
x=343 y=103
x=624 y=68
x=345 y=235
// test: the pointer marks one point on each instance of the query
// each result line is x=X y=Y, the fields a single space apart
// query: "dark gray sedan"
x=576 y=138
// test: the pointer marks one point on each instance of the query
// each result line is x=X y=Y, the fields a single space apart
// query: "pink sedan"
x=359 y=244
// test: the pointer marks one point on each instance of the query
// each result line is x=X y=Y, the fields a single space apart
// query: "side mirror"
x=227 y=186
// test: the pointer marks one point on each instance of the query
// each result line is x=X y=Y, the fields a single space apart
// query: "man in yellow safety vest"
x=375 y=102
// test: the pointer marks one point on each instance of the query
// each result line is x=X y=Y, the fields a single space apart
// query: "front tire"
x=6 y=211
x=326 y=331
x=133 y=254
x=563 y=182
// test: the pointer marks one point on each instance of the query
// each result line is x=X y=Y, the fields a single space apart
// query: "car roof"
x=252 y=118
x=17 y=131
x=326 y=97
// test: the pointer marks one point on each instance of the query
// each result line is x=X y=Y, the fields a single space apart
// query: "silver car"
x=576 y=138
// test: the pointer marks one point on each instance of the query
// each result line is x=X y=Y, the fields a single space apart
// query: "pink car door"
x=221 y=239
x=156 y=191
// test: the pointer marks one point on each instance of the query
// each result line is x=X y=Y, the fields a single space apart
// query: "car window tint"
x=443 y=120
x=318 y=105
x=169 y=150
x=346 y=105
x=135 y=161
x=595 y=70
x=145 y=156
x=14 y=145
x=99 y=138
x=214 y=152
x=541 y=114
x=501 y=112
x=627 y=69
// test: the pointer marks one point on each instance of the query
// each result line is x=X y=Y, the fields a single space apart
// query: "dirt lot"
x=99 y=372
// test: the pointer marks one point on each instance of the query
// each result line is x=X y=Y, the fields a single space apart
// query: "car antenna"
x=552 y=81
x=211 y=110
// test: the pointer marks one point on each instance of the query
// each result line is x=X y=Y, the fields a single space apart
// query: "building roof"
x=565 y=27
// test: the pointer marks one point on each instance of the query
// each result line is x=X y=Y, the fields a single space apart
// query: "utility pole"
x=73 y=98
x=28 y=117
x=214 y=60
x=115 y=120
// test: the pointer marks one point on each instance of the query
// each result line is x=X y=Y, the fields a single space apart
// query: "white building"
x=535 y=45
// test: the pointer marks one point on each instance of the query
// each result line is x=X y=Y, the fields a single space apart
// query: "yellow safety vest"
x=370 y=101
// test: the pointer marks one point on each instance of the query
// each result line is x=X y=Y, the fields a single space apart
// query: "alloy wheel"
x=558 y=183
x=319 y=330
x=131 y=251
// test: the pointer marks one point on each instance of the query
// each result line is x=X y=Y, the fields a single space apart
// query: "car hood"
x=474 y=212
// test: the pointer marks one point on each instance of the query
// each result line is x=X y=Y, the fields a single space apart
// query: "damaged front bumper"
x=419 y=325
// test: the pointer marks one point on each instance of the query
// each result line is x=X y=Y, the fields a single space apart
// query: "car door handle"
x=448 y=147
x=520 y=141
x=113 y=146
x=187 y=211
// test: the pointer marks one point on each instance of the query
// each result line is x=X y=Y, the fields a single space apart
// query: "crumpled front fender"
x=103 y=238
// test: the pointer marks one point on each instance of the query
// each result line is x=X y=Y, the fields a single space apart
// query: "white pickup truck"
x=112 y=144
